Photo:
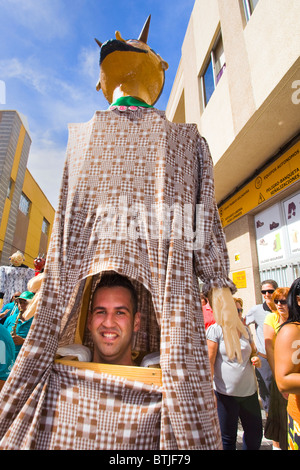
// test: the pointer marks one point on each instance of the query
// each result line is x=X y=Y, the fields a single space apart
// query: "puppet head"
x=131 y=68
x=17 y=259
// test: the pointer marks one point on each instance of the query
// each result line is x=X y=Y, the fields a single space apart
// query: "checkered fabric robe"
x=128 y=178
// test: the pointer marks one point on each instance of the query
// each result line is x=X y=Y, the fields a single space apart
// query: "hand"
x=225 y=314
x=18 y=340
x=256 y=361
x=4 y=313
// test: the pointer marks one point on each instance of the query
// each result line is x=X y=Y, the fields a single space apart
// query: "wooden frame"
x=147 y=375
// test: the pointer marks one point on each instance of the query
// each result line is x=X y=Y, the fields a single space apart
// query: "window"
x=213 y=71
x=249 y=6
x=208 y=82
x=24 y=205
x=45 y=226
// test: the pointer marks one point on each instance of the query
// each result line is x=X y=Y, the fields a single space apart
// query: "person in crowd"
x=113 y=319
x=235 y=388
x=239 y=306
x=207 y=311
x=287 y=363
x=256 y=316
x=10 y=308
x=276 y=424
x=17 y=326
x=7 y=354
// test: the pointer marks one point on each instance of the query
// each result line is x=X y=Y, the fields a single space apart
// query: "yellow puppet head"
x=17 y=259
x=132 y=68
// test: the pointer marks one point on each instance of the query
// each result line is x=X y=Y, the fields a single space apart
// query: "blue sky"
x=49 y=63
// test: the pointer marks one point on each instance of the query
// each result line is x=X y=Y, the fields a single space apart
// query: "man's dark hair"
x=269 y=281
x=113 y=279
x=294 y=308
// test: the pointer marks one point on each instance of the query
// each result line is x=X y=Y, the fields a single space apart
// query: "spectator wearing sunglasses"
x=256 y=316
x=276 y=424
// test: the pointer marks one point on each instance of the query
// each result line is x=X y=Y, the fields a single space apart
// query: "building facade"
x=26 y=216
x=239 y=80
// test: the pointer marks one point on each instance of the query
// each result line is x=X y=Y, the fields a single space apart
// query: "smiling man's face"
x=112 y=323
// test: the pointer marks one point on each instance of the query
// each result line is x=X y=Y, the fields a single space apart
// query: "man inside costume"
x=137 y=198
x=113 y=319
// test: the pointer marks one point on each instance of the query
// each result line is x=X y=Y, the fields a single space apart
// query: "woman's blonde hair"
x=34 y=285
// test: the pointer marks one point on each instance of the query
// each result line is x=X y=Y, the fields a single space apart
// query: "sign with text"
x=239 y=279
x=277 y=176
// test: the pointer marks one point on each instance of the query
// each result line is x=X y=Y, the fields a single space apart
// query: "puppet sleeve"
x=211 y=259
x=29 y=274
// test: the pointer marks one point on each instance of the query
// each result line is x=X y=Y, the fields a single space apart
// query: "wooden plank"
x=147 y=375
x=79 y=334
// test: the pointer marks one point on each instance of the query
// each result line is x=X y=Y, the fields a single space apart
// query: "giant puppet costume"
x=137 y=197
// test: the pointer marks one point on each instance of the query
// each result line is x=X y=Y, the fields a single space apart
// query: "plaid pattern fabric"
x=132 y=187
x=81 y=409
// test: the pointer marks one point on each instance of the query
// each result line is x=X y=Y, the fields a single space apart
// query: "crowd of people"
x=17 y=291
x=268 y=376
x=13 y=330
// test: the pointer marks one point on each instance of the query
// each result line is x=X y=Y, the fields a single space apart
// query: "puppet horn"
x=144 y=33
x=98 y=42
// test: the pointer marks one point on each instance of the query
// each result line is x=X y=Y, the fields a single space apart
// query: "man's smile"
x=109 y=335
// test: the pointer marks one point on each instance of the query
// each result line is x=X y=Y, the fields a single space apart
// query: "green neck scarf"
x=130 y=101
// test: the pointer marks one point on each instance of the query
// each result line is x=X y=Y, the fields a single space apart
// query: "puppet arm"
x=225 y=314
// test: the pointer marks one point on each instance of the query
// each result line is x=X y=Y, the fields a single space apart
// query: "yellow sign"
x=239 y=278
x=277 y=176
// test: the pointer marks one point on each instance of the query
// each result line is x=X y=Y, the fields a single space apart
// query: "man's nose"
x=108 y=320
